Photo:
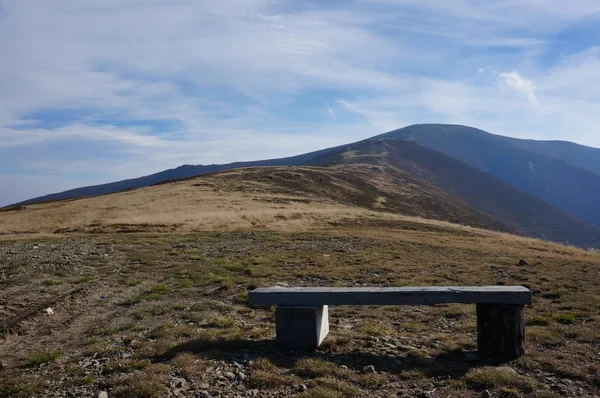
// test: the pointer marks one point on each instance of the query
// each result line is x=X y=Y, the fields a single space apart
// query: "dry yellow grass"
x=178 y=301
x=222 y=202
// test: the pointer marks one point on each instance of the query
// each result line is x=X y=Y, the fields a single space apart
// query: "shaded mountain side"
x=561 y=184
x=177 y=173
x=517 y=209
x=582 y=156
x=380 y=187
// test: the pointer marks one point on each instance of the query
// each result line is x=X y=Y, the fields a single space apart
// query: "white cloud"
x=248 y=79
x=514 y=81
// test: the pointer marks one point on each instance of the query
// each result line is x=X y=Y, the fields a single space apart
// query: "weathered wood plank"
x=316 y=296
x=501 y=330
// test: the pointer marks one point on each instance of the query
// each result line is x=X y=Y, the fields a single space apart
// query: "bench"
x=302 y=320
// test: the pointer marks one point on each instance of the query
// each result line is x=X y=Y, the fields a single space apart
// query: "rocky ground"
x=137 y=315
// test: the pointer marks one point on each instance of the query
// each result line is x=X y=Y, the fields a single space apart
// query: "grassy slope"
x=280 y=198
x=175 y=303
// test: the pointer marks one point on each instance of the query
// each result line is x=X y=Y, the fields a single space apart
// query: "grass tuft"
x=41 y=358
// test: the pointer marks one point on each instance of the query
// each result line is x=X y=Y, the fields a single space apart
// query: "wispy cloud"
x=514 y=81
x=142 y=85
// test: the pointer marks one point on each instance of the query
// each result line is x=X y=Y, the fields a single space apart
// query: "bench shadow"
x=447 y=364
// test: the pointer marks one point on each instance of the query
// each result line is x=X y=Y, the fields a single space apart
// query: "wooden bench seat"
x=302 y=312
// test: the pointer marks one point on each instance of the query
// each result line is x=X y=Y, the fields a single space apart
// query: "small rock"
x=229 y=376
x=242 y=376
x=302 y=387
x=369 y=369
x=486 y=394
x=178 y=382
x=103 y=394
x=523 y=262
x=344 y=367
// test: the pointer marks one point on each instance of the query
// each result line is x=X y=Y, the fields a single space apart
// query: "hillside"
x=551 y=179
x=584 y=157
x=519 y=210
x=270 y=197
x=151 y=301
x=535 y=167
x=384 y=175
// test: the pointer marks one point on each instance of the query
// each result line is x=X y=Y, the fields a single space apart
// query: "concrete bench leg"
x=501 y=330
x=301 y=327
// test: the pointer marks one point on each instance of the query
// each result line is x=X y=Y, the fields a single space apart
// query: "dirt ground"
x=166 y=315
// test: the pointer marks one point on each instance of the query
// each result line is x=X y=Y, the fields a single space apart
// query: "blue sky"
x=93 y=91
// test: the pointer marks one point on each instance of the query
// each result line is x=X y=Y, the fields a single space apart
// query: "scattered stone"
x=486 y=394
x=49 y=311
x=103 y=394
x=523 y=262
x=179 y=382
x=369 y=369
x=302 y=387
x=229 y=376
x=242 y=376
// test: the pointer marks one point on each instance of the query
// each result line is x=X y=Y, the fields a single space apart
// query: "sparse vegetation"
x=176 y=305
x=313 y=367
x=493 y=377
x=41 y=357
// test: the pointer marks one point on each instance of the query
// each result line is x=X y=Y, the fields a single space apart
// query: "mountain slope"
x=177 y=173
x=280 y=198
x=517 y=209
x=561 y=184
x=582 y=156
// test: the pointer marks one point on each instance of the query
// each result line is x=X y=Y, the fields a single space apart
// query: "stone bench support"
x=302 y=313
x=301 y=327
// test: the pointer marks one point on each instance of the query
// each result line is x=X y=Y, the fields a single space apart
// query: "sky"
x=94 y=91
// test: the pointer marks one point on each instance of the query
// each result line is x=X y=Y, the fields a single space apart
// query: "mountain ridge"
x=553 y=180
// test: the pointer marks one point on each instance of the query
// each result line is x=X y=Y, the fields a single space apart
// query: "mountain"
x=267 y=198
x=385 y=176
x=552 y=179
x=519 y=210
x=525 y=186
x=582 y=156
